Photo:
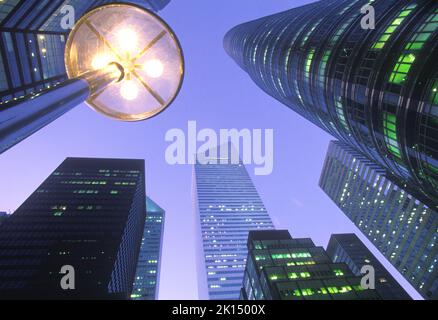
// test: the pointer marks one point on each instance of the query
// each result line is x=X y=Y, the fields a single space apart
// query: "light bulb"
x=127 y=39
x=154 y=68
x=100 y=62
x=129 y=90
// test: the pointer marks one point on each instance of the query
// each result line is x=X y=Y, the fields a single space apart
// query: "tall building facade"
x=88 y=214
x=404 y=229
x=348 y=248
x=32 y=42
x=282 y=268
x=147 y=277
x=228 y=206
x=3 y=216
x=374 y=89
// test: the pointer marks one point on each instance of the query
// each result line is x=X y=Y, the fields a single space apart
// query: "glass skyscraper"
x=88 y=214
x=348 y=248
x=3 y=216
x=147 y=276
x=374 y=89
x=404 y=229
x=32 y=42
x=228 y=206
x=282 y=268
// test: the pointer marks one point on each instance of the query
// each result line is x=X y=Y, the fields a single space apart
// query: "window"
x=323 y=67
x=340 y=113
x=309 y=63
x=390 y=131
x=416 y=43
x=402 y=68
x=380 y=44
x=338 y=272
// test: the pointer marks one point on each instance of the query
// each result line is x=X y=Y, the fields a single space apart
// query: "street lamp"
x=122 y=60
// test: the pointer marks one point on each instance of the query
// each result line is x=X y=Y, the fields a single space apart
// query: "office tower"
x=282 y=268
x=376 y=90
x=228 y=206
x=33 y=39
x=404 y=229
x=88 y=214
x=147 y=276
x=348 y=248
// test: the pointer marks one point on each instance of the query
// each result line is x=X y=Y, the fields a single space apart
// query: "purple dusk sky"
x=217 y=94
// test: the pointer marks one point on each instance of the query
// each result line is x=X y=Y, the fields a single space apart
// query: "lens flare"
x=129 y=90
x=128 y=40
x=154 y=68
x=100 y=62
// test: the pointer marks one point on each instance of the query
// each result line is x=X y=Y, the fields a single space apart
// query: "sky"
x=216 y=94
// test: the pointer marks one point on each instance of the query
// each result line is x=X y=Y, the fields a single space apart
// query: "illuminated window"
x=416 y=43
x=307 y=292
x=281 y=256
x=390 y=131
x=402 y=68
x=338 y=272
x=380 y=44
x=323 y=67
x=292 y=275
x=309 y=63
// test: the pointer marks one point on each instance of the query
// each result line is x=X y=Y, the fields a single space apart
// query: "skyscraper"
x=404 y=229
x=88 y=214
x=32 y=42
x=228 y=206
x=147 y=276
x=282 y=268
x=3 y=216
x=349 y=249
x=374 y=89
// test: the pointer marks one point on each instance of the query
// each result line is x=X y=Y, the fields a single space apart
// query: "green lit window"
x=416 y=43
x=275 y=277
x=58 y=213
x=402 y=68
x=323 y=67
x=258 y=258
x=345 y=289
x=336 y=290
x=435 y=93
x=309 y=63
x=301 y=255
x=114 y=192
x=281 y=256
x=424 y=33
x=293 y=275
x=380 y=44
x=304 y=263
x=307 y=292
x=305 y=275
x=390 y=131
x=338 y=272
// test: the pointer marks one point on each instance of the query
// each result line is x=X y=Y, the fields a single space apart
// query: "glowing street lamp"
x=123 y=60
